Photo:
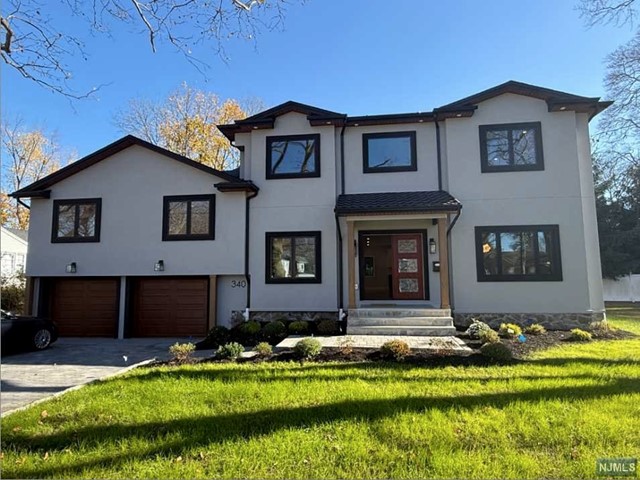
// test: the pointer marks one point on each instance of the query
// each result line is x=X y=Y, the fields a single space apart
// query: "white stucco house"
x=404 y=222
x=13 y=251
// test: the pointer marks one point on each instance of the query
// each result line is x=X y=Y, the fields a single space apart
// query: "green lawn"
x=551 y=417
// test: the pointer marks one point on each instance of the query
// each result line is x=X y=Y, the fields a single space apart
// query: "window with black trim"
x=293 y=257
x=511 y=147
x=293 y=156
x=76 y=220
x=188 y=217
x=518 y=253
x=389 y=152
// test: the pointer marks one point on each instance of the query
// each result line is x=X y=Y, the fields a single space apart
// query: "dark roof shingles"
x=391 y=202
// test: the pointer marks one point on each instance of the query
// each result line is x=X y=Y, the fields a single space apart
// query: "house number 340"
x=238 y=283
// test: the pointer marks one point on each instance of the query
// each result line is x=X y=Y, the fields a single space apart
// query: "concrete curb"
x=78 y=387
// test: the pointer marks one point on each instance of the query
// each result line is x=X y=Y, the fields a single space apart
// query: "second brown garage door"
x=170 y=307
x=85 y=307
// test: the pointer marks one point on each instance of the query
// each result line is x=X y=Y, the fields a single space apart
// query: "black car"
x=33 y=333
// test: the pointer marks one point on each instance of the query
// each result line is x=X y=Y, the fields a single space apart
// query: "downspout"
x=438 y=154
x=451 y=285
x=342 y=181
x=340 y=279
x=339 y=233
x=247 y=276
x=23 y=204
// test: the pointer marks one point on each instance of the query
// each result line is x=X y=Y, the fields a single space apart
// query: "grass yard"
x=551 y=417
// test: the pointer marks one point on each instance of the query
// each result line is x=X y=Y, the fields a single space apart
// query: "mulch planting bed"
x=431 y=357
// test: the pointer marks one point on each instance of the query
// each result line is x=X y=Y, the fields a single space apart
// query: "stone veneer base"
x=267 y=316
x=551 y=321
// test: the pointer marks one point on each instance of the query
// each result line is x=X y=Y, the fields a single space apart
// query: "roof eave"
x=237 y=187
x=31 y=194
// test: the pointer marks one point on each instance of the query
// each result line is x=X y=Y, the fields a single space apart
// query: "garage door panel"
x=171 y=306
x=85 y=307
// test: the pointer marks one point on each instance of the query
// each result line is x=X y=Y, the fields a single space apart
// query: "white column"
x=122 y=307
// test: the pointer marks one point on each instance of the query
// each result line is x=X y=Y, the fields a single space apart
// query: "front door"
x=407 y=272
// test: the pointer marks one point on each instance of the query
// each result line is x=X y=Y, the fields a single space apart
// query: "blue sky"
x=352 y=56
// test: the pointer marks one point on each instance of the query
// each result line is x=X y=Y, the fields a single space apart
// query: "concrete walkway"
x=31 y=376
x=376 y=341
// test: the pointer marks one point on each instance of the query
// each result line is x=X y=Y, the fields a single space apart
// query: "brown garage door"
x=171 y=307
x=85 y=307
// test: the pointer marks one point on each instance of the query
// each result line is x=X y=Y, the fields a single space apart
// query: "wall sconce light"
x=432 y=245
x=159 y=266
x=71 y=268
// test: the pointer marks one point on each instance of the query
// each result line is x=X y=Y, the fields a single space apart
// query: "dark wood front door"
x=407 y=271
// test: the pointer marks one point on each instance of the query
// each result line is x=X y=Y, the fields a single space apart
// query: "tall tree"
x=28 y=156
x=185 y=123
x=34 y=42
x=617 y=143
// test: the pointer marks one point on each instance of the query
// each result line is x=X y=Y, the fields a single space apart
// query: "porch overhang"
x=422 y=203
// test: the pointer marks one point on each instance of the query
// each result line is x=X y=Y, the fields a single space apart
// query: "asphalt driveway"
x=31 y=376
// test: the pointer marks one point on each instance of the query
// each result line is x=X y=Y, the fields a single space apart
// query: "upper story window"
x=76 y=220
x=518 y=253
x=188 y=217
x=293 y=257
x=389 y=152
x=293 y=156
x=511 y=147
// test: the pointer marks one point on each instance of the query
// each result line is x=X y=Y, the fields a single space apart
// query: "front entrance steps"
x=398 y=320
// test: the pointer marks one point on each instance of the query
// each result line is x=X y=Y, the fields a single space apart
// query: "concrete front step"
x=417 y=330
x=399 y=312
x=402 y=321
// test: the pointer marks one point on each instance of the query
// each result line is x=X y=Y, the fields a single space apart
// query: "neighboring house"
x=13 y=247
x=330 y=213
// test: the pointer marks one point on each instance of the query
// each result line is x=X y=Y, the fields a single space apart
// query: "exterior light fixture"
x=71 y=268
x=432 y=245
x=458 y=115
x=159 y=266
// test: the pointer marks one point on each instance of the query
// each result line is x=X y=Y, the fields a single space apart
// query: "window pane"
x=293 y=156
x=66 y=220
x=528 y=253
x=498 y=147
x=280 y=257
x=389 y=152
x=511 y=244
x=305 y=257
x=200 y=217
x=524 y=146
x=544 y=255
x=177 y=218
x=87 y=220
x=489 y=254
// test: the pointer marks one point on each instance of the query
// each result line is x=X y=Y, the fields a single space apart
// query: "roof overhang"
x=397 y=203
x=237 y=187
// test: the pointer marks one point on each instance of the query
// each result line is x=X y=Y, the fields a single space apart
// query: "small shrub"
x=182 y=352
x=509 y=330
x=274 y=330
x=395 y=350
x=346 y=346
x=496 y=351
x=602 y=326
x=250 y=328
x=578 y=335
x=535 y=329
x=489 y=336
x=328 y=327
x=476 y=328
x=218 y=335
x=230 y=351
x=299 y=327
x=263 y=349
x=307 y=348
